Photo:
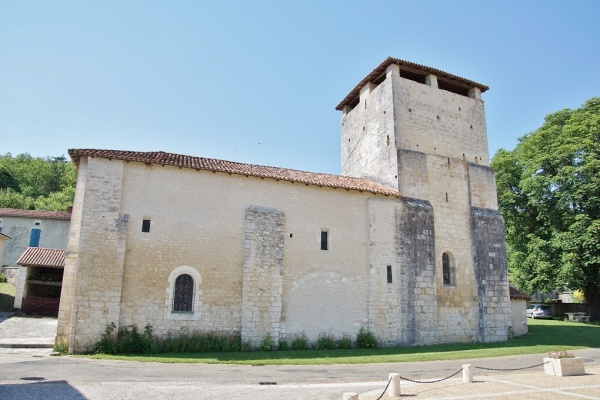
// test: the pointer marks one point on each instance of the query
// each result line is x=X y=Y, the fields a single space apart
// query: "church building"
x=407 y=242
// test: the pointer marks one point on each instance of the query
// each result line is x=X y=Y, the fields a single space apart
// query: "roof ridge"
x=238 y=168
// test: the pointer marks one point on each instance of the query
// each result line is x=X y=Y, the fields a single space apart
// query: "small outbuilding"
x=518 y=307
x=40 y=281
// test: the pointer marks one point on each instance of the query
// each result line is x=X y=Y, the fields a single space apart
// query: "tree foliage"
x=35 y=183
x=549 y=195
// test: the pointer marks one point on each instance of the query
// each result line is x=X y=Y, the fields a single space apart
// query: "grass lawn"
x=544 y=336
x=7 y=296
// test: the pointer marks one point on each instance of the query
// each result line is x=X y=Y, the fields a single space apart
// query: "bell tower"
x=422 y=131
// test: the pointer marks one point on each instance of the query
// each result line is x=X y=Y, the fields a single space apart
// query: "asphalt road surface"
x=25 y=377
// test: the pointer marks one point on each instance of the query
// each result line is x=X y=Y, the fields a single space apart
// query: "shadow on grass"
x=6 y=302
x=543 y=336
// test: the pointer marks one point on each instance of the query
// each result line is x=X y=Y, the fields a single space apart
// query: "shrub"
x=300 y=342
x=129 y=340
x=284 y=345
x=366 y=340
x=266 y=344
x=345 y=342
x=61 y=348
x=325 y=341
x=246 y=347
x=3 y=278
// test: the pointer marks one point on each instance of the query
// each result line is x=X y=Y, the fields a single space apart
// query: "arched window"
x=183 y=294
x=448 y=269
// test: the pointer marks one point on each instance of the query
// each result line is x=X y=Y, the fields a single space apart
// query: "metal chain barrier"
x=458 y=372
x=384 y=390
x=509 y=369
x=436 y=381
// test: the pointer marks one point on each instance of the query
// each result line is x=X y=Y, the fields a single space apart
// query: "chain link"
x=384 y=390
x=457 y=372
x=436 y=381
x=510 y=369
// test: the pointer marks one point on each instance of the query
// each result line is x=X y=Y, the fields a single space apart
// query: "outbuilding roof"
x=516 y=295
x=411 y=67
x=41 y=257
x=231 y=167
x=15 y=212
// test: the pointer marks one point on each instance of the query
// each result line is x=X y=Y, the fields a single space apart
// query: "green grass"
x=7 y=296
x=544 y=336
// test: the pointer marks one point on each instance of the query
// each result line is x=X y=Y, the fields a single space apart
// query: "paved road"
x=26 y=377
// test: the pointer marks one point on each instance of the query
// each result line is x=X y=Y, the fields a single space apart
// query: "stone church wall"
x=201 y=221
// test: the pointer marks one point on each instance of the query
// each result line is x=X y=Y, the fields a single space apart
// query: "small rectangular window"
x=389 y=273
x=324 y=240
x=146 y=225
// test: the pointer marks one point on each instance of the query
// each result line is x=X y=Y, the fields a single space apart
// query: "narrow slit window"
x=448 y=269
x=389 y=274
x=146 y=225
x=324 y=240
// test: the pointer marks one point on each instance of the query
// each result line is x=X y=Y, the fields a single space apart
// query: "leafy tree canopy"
x=35 y=183
x=549 y=195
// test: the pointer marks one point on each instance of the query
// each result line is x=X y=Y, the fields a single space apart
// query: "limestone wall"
x=200 y=220
x=518 y=316
x=100 y=249
x=434 y=121
x=403 y=311
x=262 y=275
x=491 y=272
x=367 y=140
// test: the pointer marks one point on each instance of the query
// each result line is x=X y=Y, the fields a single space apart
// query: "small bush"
x=345 y=342
x=266 y=344
x=3 y=278
x=300 y=342
x=129 y=340
x=325 y=341
x=366 y=340
x=284 y=345
x=246 y=347
x=61 y=348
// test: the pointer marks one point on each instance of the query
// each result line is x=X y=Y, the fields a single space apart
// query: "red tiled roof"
x=261 y=171
x=14 y=212
x=380 y=70
x=40 y=257
x=516 y=295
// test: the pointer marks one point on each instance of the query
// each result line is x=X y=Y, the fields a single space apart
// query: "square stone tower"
x=422 y=132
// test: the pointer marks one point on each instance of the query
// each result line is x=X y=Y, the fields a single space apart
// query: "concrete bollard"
x=467 y=373
x=394 y=387
x=350 y=396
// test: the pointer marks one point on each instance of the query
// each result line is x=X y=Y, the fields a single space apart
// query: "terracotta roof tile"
x=40 y=257
x=516 y=295
x=14 y=212
x=261 y=171
x=380 y=70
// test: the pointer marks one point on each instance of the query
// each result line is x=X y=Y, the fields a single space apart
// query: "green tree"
x=549 y=195
x=36 y=183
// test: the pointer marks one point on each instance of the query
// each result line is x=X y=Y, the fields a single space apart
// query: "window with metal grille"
x=448 y=269
x=146 y=225
x=183 y=298
x=389 y=274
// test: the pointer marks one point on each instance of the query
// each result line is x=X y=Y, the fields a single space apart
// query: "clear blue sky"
x=258 y=81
